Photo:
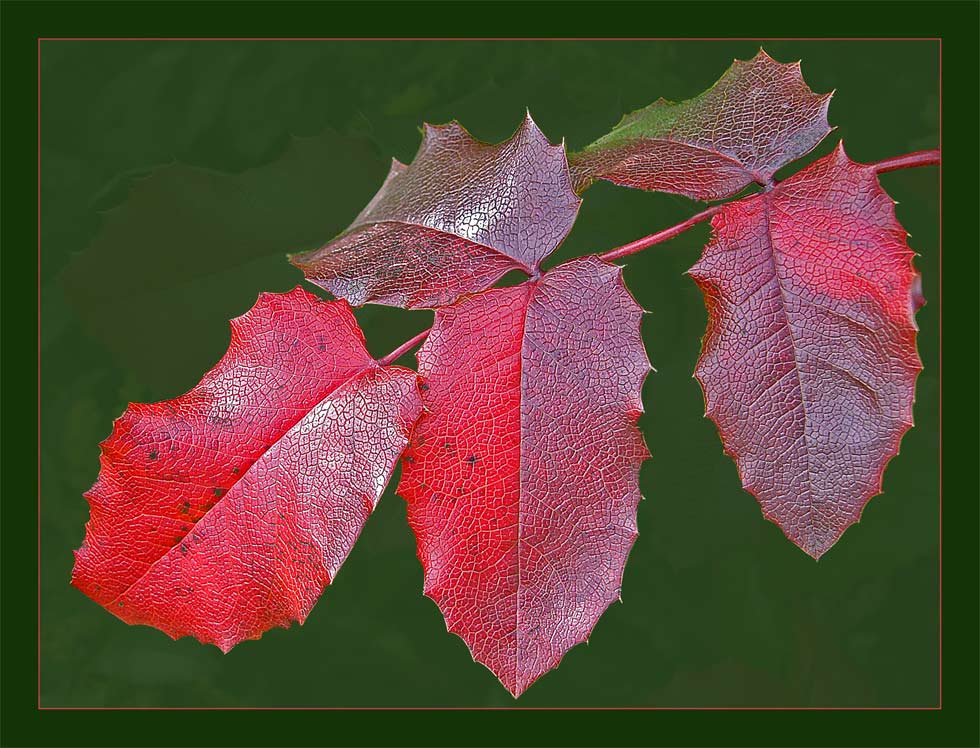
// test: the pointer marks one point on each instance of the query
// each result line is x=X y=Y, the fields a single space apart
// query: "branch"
x=660 y=236
x=906 y=161
x=404 y=348
x=909 y=160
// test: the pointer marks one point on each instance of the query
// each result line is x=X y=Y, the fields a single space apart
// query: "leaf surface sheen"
x=759 y=116
x=226 y=511
x=521 y=479
x=454 y=221
x=809 y=361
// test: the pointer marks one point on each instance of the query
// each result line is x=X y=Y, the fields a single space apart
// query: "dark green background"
x=174 y=178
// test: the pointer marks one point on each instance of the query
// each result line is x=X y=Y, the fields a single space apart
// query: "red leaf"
x=758 y=117
x=521 y=477
x=462 y=215
x=809 y=361
x=226 y=512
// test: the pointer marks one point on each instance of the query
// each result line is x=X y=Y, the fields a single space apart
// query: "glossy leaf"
x=226 y=511
x=809 y=361
x=521 y=477
x=758 y=117
x=458 y=218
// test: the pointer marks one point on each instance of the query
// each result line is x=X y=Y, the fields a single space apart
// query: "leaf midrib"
x=777 y=268
x=371 y=364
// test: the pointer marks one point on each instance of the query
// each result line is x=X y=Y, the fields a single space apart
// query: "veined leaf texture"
x=809 y=361
x=455 y=220
x=227 y=511
x=522 y=475
x=759 y=116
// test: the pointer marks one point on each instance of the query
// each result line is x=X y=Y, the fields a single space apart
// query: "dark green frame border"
x=954 y=22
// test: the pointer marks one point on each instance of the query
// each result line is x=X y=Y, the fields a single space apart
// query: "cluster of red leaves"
x=227 y=511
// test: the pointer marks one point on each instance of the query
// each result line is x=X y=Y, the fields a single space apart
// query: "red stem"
x=660 y=236
x=909 y=160
x=404 y=348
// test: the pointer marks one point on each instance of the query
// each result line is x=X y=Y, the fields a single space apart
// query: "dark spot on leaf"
x=236 y=471
x=424 y=387
x=122 y=604
x=183 y=549
x=472 y=459
x=153 y=455
x=409 y=459
x=217 y=491
x=185 y=508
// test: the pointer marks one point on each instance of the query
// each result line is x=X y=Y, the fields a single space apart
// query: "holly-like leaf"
x=758 y=117
x=457 y=219
x=809 y=361
x=521 y=478
x=226 y=511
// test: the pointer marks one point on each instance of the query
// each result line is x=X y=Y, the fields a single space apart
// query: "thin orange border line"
x=626 y=708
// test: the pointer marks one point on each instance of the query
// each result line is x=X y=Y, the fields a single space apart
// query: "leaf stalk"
x=910 y=160
x=404 y=348
x=906 y=161
x=661 y=236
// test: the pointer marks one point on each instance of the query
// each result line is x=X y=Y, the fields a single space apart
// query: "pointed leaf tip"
x=709 y=147
x=454 y=221
x=225 y=488
x=809 y=362
x=513 y=375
